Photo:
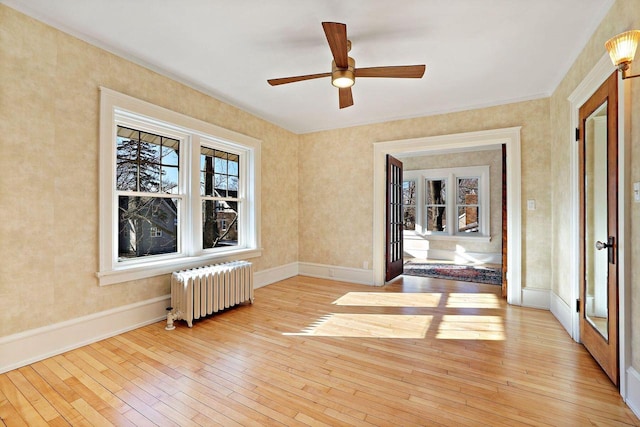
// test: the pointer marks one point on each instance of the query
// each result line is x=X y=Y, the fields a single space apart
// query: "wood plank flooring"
x=318 y=352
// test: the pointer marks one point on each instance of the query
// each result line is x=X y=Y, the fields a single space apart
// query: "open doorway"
x=454 y=204
x=465 y=142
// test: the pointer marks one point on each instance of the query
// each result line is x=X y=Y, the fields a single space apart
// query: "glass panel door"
x=596 y=225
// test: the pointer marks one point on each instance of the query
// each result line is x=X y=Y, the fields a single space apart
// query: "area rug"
x=465 y=273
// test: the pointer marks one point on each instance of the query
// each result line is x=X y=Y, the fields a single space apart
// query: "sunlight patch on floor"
x=389 y=299
x=475 y=300
x=459 y=327
x=351 y=325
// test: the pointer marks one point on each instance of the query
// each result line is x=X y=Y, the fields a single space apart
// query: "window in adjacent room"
x=174 y=191
x=450 y=202
x=435 y=205
x=467 y=204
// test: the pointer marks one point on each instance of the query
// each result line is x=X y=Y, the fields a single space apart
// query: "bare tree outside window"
x=436 y=204
x=409 y=205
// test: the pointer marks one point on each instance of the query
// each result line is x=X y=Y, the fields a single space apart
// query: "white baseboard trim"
x=30 y=346
x=633 y=391
x=562 y=311
x=37 y=344
x=344 y=274
x=536 y=298
x=266 y=277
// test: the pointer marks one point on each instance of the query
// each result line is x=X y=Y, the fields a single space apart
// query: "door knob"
x=610 y=245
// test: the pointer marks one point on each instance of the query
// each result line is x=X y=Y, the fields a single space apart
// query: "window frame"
x=119 y=109
x=451 y=175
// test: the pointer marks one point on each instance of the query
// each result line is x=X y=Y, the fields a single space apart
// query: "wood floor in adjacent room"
x=317 y=352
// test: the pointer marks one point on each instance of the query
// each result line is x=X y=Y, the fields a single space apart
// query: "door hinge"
x=577 y=134
x=577 y=306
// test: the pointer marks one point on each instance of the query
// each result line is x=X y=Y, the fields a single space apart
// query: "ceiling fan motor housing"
x=343 y=77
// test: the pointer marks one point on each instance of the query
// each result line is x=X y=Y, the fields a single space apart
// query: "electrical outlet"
x=531 y=205
x=636 y=192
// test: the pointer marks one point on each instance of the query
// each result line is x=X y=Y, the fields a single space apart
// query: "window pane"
x=147 y=226
x=220 y=224
x=126 y=176
x=468 y=219
x=169 y=163
x=220 y=185
x=409 y=193
x=146 y=162
x=233 y=186
x=436 y=191
x=233 y=164
x=409 y=219
x=169 y=153
x=468 y=191
x=436 y=218
x=127 y=153
x=170 y=180
x=218 y=173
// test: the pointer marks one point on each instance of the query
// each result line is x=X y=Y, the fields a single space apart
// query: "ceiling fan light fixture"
x=622 y=48
x=343 y=77
x=341 y=80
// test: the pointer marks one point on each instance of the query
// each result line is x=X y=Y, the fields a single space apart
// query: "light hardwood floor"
x=317 y=352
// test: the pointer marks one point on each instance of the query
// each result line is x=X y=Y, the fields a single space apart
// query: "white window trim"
x=114 y=105
x=450 y=175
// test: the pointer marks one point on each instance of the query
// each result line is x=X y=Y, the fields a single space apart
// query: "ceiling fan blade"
x=399 y=71
x=337 y=37
x=284 y=80
x=346 y=97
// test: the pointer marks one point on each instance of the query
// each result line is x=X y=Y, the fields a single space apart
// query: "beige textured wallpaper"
x=336 y=186
x=49 y=101
x=624 y=15
x=491 y=158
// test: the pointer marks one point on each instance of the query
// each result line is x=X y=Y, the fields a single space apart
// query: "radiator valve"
x=171 y=316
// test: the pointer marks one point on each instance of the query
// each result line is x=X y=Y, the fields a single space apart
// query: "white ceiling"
x=478 y=52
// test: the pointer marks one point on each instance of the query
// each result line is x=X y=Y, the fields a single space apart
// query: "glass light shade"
x=342 y=81
x=622 y=48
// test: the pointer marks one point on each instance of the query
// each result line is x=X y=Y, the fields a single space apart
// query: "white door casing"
x=461 y=142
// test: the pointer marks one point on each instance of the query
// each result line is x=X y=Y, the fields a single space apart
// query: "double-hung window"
x=449 y=203
x=175 y=192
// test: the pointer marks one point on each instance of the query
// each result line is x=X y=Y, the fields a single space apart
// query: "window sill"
x=458 y=237
x=157 y=268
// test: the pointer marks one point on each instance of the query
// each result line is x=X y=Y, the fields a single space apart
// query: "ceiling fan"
x=343 y=68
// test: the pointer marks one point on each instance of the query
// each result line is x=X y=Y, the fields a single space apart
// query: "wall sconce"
x=622 y=50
